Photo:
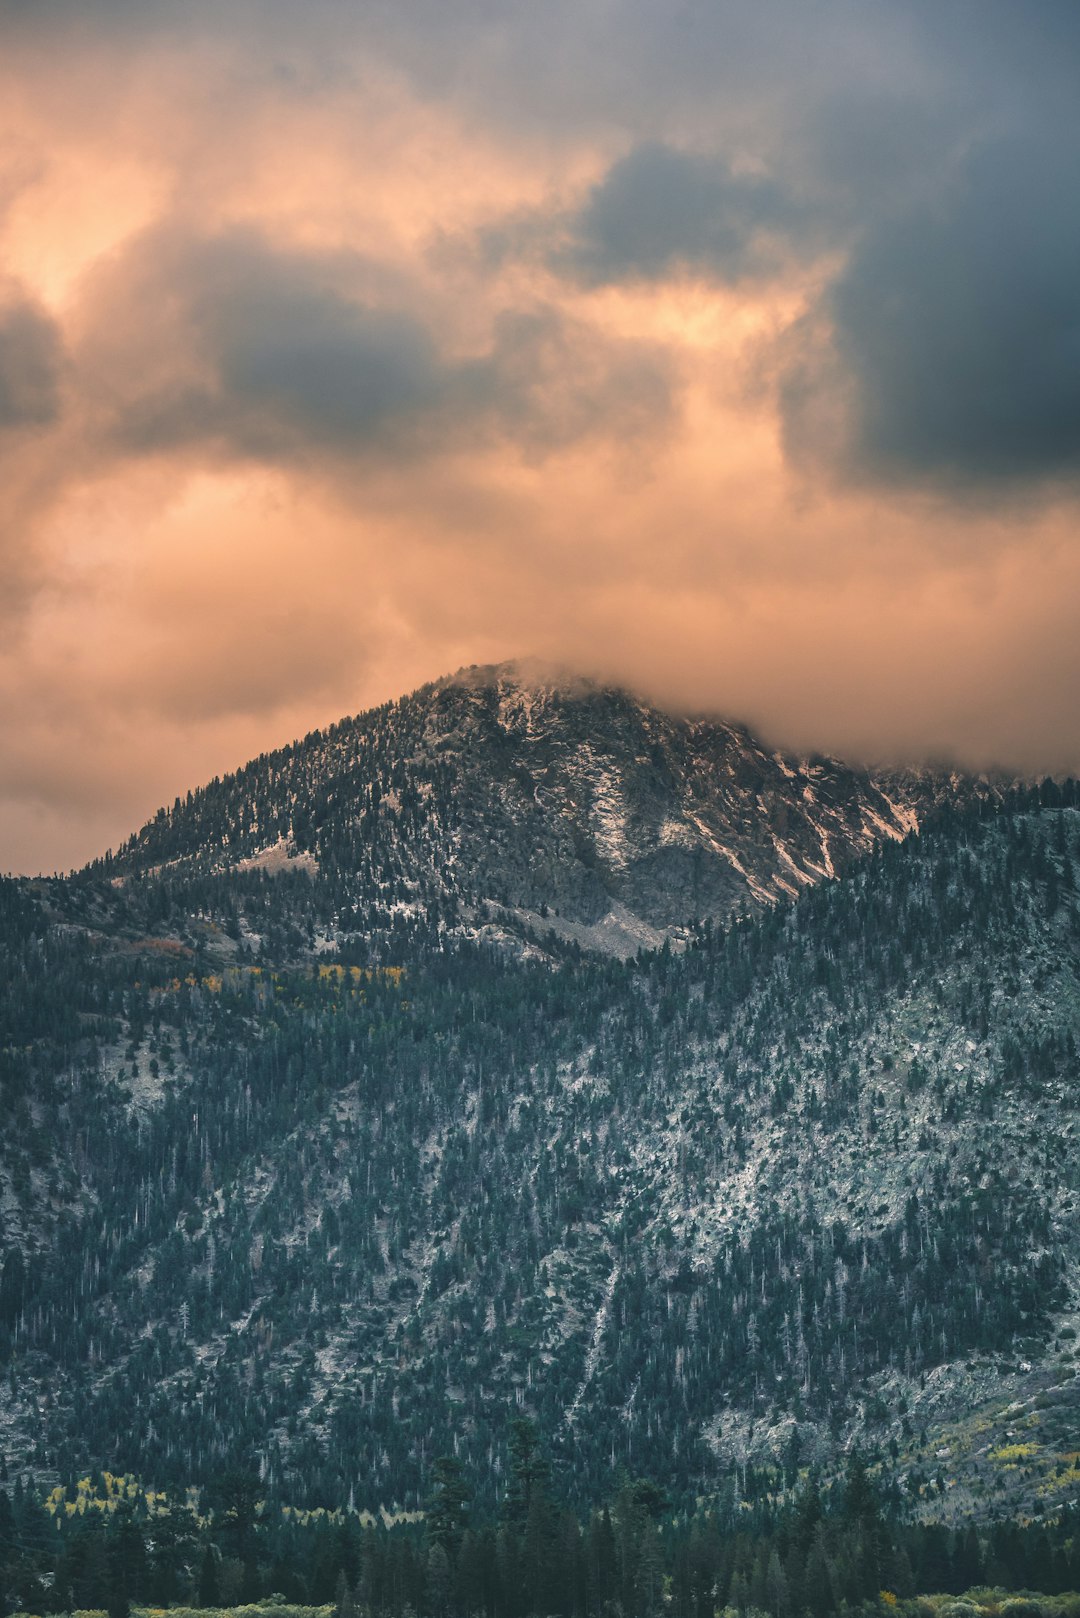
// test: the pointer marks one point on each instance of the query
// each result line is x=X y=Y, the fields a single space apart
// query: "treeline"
x=825 y=1552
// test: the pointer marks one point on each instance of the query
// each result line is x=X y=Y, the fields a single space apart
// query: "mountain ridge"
x=326 y=1168
x=569 y=804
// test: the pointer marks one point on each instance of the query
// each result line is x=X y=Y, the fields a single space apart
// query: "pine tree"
x=776 y=1587
x=209 y=1594
x=439 y=1579
x=528 y=1472
x=817 y=1584
x=448 y=1508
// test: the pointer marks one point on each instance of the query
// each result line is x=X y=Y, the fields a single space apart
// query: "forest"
x=107 y=1545
x=328 y=1213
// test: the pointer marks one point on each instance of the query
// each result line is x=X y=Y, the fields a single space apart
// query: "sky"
x=728 y=352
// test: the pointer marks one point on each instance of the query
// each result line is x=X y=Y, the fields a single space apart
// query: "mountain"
x=329 y=1151
x=553 y=802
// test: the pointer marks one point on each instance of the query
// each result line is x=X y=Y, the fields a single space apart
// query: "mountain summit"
x=547 y=802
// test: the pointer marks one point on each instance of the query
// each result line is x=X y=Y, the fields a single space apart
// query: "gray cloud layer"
x=261 y=349
x=660 y=209
x=951 y=346
x=278 y=355
x=930 y=150
x=945 y=348
x=31 y=353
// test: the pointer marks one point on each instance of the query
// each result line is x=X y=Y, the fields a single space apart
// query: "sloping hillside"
x=813 y=1176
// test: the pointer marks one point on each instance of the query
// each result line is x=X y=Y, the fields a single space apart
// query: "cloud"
x=278 y=355
x=262 y=348
x=32 y=375
x=947 y=350
x=31 y=351
x=322 y=367
x=658 y=210
x=549 y=382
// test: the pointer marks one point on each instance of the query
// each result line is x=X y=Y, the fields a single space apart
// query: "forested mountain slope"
x=525 y=798
x=811 y=1178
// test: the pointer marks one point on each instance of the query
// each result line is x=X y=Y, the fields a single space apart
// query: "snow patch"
x=906 y=816
x=675 y=834
x=620 y=932
x=608 y=819
x=278 y=857
x=803 y=878
x=592 y=1353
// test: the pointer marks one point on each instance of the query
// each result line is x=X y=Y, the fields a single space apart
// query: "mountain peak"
x=530 y=792
x=524 y=674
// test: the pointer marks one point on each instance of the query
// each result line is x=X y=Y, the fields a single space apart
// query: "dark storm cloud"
x=659 y=209
x=1028 y=52
x=752 y=138
x=30 y=361
x=325 y=368
x=264 y=349
x=859 y=156
x=948 y=348
x=280 y=355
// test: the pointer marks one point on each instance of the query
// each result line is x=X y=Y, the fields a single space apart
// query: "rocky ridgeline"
x=564 y=804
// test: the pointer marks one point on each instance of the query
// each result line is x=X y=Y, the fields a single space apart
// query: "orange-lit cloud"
x=733 y=357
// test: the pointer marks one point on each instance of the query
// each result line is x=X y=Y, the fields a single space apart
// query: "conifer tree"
x=448 y=1508
x=208 y=1578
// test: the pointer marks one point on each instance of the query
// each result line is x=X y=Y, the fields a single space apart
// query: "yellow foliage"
x=333 y=970
x=1014 y=1452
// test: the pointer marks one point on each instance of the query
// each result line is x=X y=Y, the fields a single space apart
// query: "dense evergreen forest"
x=107 y=1544
x=322 y=1214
